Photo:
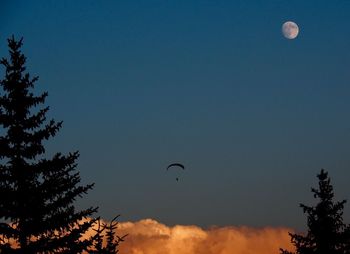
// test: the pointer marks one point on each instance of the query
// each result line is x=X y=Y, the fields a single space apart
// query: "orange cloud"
x=151 y=237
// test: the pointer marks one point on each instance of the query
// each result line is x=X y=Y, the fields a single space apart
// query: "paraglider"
x=179 y=165
x=176 y=165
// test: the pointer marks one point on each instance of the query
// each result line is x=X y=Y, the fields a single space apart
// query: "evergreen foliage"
x=37 y=195
x=327 y=233
x=107 y=231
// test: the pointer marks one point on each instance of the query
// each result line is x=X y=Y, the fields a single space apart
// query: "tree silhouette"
x=327 y=233
x=107 y=231
x=37 y=214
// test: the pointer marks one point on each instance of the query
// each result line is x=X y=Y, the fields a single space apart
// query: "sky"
x=213 y=85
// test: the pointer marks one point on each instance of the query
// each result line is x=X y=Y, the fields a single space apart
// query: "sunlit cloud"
x=151 y=237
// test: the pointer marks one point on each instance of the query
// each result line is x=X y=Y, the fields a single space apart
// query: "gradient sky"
x=211 y=84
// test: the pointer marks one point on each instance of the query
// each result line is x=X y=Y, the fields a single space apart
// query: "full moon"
x=290 y=30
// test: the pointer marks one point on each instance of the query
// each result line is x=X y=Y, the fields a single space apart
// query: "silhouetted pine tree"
x=327 y=233
x=113 y=240
x=98 y=239
x=37 y=214
x=107 y=231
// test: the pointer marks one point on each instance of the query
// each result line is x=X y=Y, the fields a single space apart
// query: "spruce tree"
x=108 y=232
x=37 y=194
x=113 y=240
x=327 y=233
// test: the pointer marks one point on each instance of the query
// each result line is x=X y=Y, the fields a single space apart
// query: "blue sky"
x=211 y=84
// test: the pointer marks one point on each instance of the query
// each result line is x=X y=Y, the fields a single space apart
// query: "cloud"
x=151 y=237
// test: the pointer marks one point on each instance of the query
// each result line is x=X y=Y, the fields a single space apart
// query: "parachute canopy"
x=176 y=165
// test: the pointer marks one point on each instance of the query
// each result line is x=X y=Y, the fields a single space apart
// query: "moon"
x=290 y=30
